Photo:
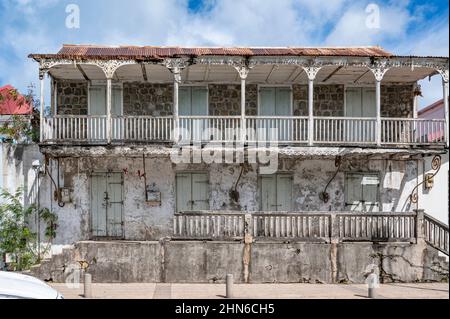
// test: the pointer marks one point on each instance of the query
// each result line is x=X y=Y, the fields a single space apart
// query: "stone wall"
x=225 y=99
x=141 y=98
x=328 y=100
x=72 y=98
x=397 y=100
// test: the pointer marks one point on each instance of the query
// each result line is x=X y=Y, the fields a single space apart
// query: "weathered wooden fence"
x=296 y=226
x=436 y=233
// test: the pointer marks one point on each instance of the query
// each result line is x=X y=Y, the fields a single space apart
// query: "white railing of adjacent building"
x=412 y=131
x=283 y=129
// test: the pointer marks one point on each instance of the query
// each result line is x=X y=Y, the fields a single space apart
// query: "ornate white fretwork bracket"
x=243 y=71
x=110 y=67
x=176 y=66
x=444 y=73
x=379 y=69
x=311 y=71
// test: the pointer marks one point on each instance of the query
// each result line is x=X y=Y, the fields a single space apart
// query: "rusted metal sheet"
x=153 y=52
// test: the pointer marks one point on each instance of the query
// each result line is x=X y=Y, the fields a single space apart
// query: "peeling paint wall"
x=145 y=221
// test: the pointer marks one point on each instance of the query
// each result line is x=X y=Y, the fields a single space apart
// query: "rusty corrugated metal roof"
x=70 y=51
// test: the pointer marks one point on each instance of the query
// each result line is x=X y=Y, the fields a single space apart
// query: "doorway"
x=107 y=205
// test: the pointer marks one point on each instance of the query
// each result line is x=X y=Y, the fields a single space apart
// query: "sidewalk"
x=257 y=291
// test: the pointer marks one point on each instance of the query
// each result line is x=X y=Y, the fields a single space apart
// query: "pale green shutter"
x=200 y=191
x=369 y=108
x=353 y=100
x=184 y=101
x=116 y=104
x=283 y=101
x=199 y=101
x=370 y=187
x=98 y=207
x=267 y=101
x=284 y=192
x=115 y=201
x=97 y=100
x=183 y=192
x=268 y=194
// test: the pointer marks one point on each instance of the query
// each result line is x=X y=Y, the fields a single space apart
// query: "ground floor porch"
x=141 y=196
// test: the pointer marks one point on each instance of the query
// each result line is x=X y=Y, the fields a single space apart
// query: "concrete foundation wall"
x=209 y=262
x=146 y=221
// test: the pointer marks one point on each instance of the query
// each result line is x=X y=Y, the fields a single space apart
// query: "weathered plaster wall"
x=142 y=98
x=143 y=221
x=268 y=262
x=17 y=169
x=72 y=97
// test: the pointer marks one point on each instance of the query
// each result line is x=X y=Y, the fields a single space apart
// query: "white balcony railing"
x=346 y=130
x=412 y=131
x=82 y=128
x=282 y=129
x=210 y=128
x=142 y=128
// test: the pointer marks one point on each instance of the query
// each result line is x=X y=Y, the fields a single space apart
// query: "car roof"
x=23 y=286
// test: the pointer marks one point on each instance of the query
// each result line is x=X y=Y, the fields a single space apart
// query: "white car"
x=18 y=286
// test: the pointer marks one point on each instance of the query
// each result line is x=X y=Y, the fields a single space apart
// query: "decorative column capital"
x=110 y=67
x=176 y=66
x=379 y=69
x=444 y=73
x=311 y=71
x=243 y=71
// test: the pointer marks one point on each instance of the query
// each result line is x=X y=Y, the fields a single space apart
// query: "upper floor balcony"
x=296 y=97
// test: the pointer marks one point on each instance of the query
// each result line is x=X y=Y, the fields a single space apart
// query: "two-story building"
x=297 y=145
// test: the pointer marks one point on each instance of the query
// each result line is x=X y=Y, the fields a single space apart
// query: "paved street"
x=257 y=291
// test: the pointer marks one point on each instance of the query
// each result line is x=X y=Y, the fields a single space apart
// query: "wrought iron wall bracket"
x=436 y=166
x=324 y=196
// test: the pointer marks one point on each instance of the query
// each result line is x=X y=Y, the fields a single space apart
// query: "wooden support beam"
x=333 y=73
x=361 y=76
x=79 y=67
x=298 y=75
x=206 y=76
x=144 y=72
x=293 y=73
x=270 y=73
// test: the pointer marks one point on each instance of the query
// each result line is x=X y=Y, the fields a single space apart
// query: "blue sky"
x=407 y=27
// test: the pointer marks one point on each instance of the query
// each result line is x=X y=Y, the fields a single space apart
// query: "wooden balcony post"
x=108 y=108
x=379 y=70
x=311 y=72
x=378 y=106
x=243 y=73
x=420 y=224
x=176 y=118
x=42 y=104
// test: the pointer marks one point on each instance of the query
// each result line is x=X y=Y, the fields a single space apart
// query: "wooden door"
x=107 y=205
